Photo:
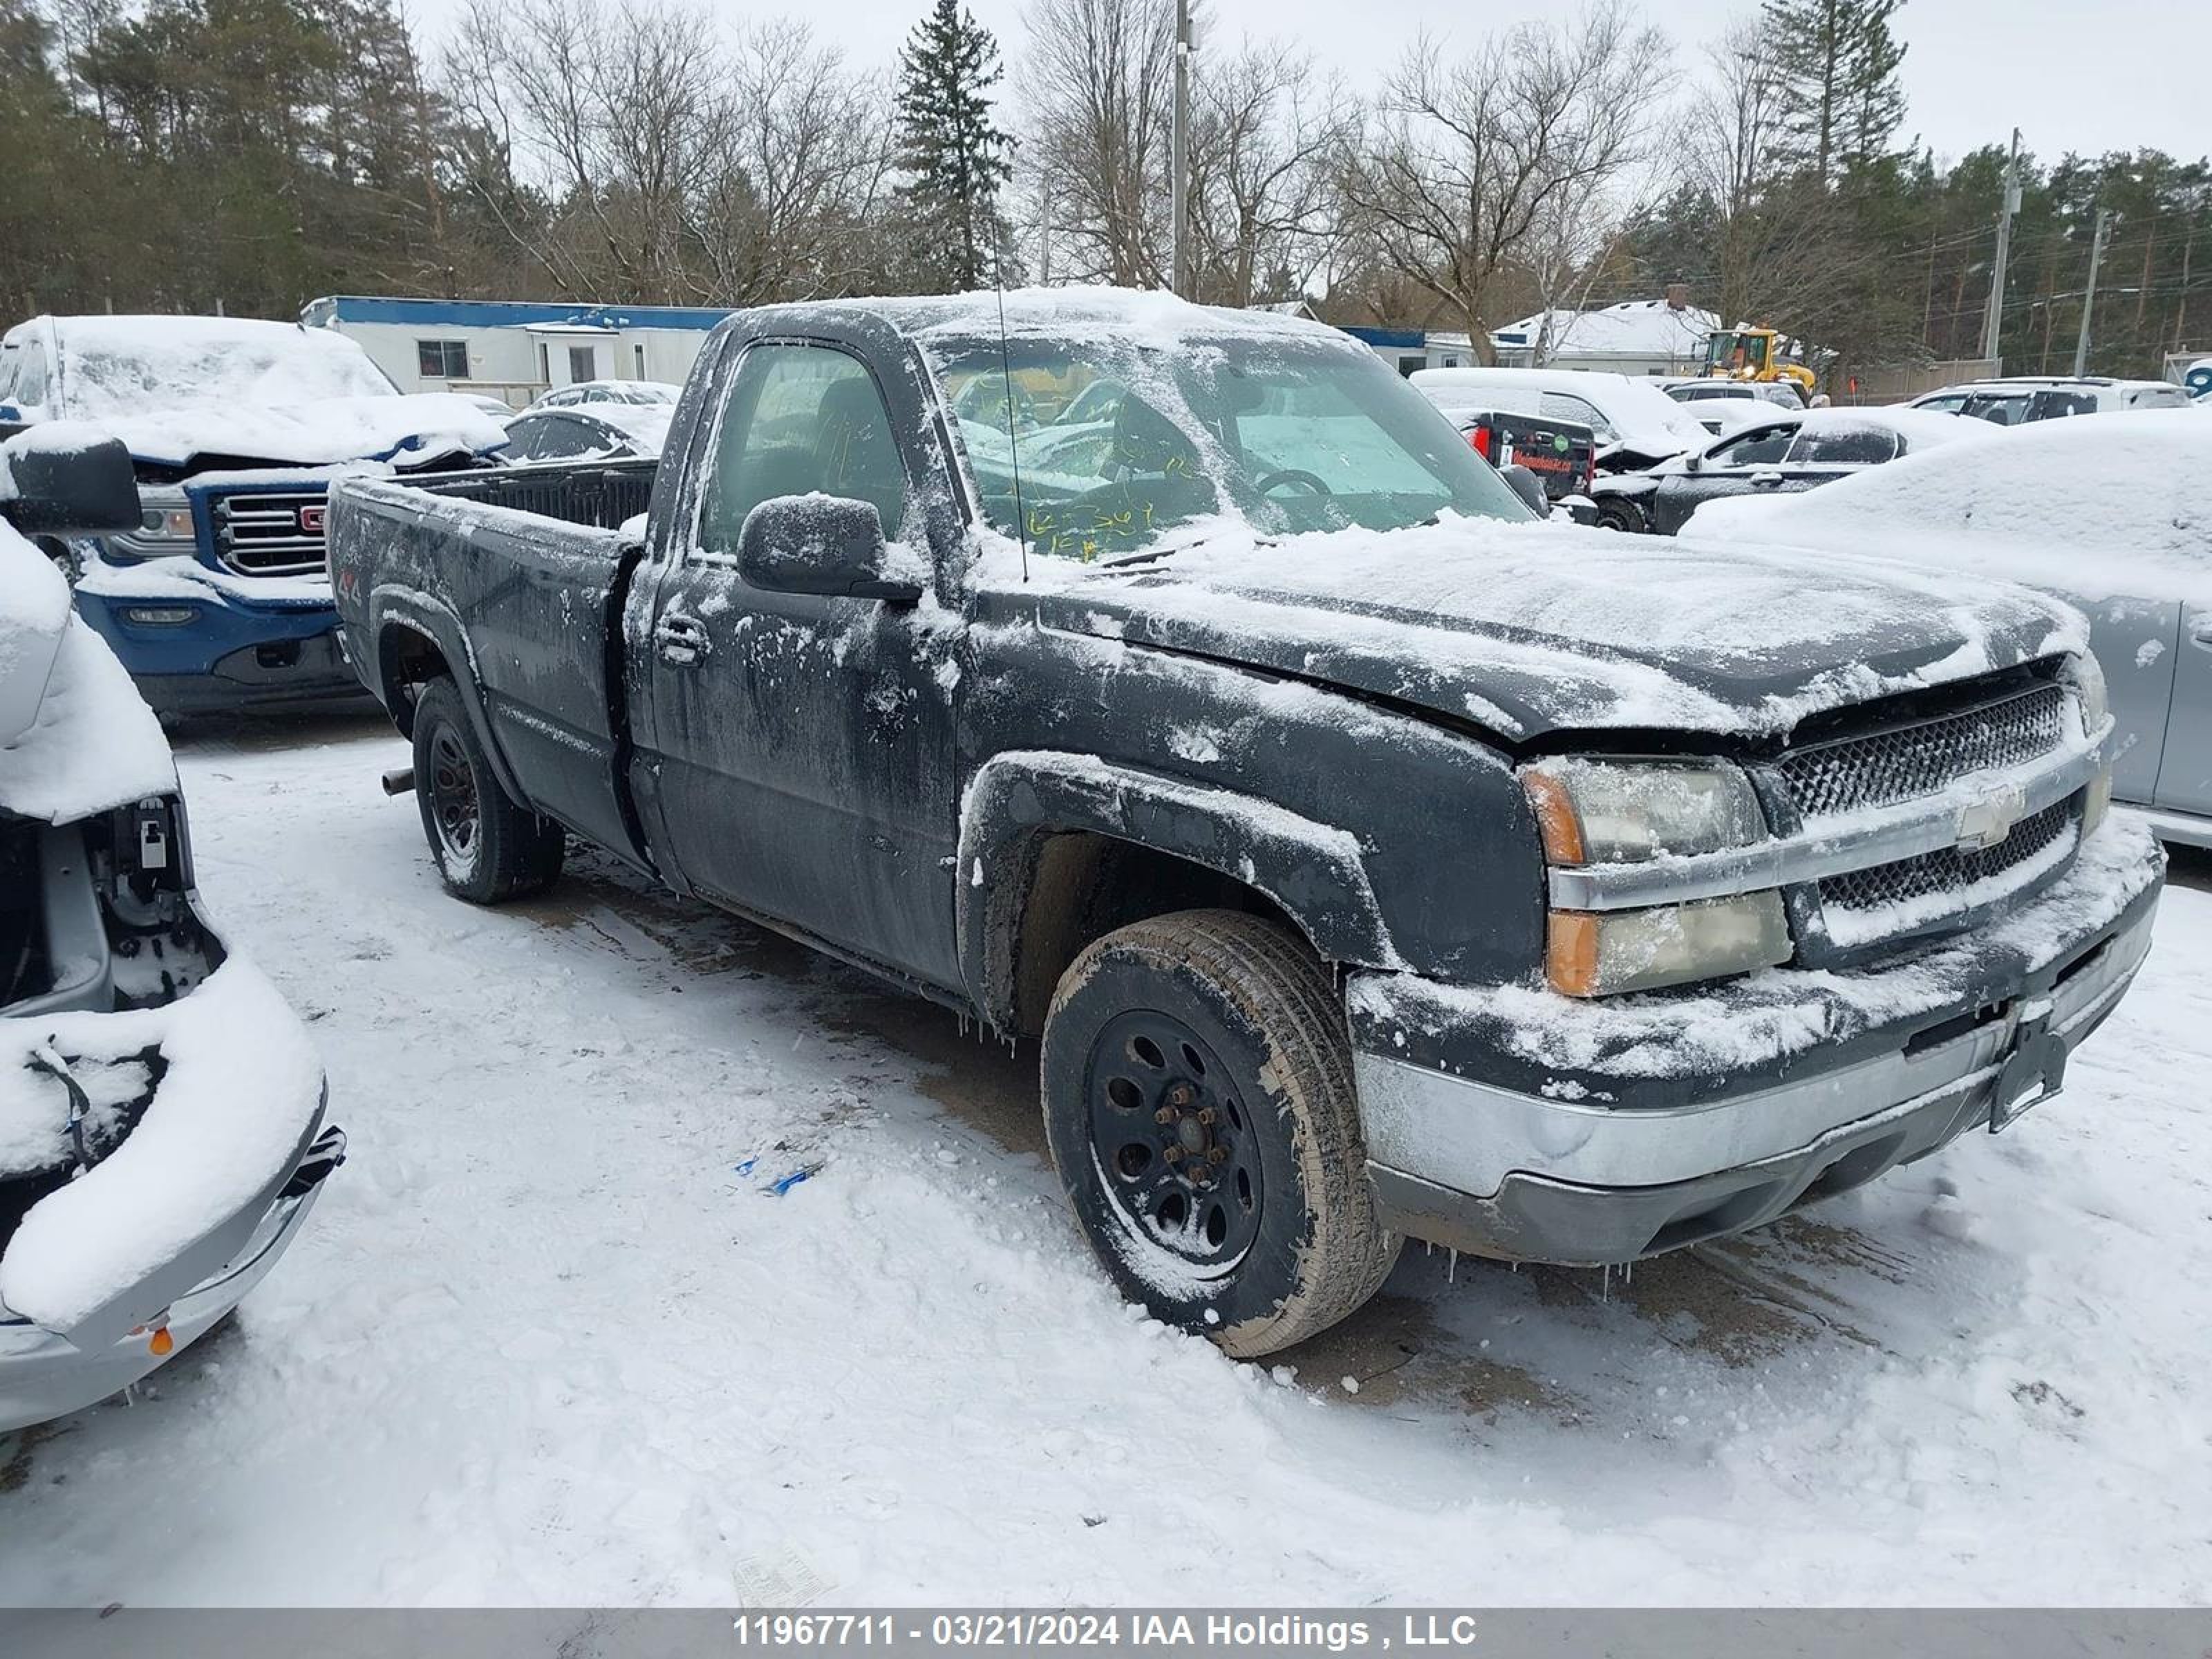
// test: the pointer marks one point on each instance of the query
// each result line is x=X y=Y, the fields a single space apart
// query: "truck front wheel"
x=487 y=847
x=1199 y=1108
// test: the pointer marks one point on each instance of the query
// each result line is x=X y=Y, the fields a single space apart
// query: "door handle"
x=682 y=640
x=2201 y=633
x=1765 y=480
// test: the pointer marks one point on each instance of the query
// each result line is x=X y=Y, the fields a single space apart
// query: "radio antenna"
x=1013 y=443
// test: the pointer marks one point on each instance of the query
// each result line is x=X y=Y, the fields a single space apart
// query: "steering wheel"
x=1292 y=475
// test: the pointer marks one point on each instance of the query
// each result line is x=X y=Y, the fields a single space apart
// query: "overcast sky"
x=2118 y=74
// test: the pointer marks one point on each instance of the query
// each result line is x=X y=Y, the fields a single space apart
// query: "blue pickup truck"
x=219 y=599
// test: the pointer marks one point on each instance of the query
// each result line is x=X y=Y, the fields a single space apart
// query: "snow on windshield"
x=119 y=366
x=1110 y=439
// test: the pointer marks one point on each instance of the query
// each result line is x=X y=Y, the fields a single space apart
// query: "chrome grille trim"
x=258 y=533
x=1905 y=762
x=1948 y=869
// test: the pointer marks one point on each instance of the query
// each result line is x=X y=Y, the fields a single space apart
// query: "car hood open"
x=1530 y=630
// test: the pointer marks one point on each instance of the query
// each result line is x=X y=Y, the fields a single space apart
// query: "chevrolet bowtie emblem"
x=1986 y=820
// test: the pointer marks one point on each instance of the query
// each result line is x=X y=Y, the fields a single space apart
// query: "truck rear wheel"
x=1199 y=1108
x=488 y=848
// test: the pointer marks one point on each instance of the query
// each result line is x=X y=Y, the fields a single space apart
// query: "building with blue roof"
x=515 y=349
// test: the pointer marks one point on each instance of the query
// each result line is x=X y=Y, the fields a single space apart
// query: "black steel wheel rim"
x=453 y=803
x=1177 y=1154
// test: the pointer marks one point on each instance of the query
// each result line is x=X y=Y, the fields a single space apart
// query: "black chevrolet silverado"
x=1373 y=861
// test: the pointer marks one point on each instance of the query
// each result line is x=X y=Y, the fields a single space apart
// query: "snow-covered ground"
x=554 y=1337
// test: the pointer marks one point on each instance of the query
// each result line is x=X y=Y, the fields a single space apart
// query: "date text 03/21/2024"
x=1259 y=1632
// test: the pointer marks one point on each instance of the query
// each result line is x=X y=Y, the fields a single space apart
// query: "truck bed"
x=603 y=494
x=516 y=575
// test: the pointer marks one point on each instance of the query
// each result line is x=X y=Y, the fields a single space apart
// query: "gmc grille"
x=259 y=534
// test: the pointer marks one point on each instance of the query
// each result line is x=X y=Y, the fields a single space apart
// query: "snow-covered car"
x=2017 y=400
x=1636 y=423
x=1783 y=394
x=2115 y=515
x=609 y=431
x=639 y=394
x=161 y=1110
x=1784 y=455
x=217 y=598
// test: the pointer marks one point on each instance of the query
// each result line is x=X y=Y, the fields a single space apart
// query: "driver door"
x=795 y=751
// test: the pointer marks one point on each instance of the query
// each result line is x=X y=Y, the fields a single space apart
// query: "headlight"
x=1627 y=812
x=1633 y=811
x=2087 y=676
x=165 y=527
x=1601 y=953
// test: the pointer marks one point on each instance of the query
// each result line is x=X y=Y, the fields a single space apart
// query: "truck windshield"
x=1118 y=442
x=123 y=366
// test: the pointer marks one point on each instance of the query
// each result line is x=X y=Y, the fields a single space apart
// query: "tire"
x=488 y=849
x=64 y=558
x=1277 y=1238
x=1614 y=515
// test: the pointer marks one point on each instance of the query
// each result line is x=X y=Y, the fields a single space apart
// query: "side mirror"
x=72 y=490
x=1529 y=487
x=821 y=544
x=1693 y=462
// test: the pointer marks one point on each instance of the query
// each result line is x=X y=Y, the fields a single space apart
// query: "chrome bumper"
x=1531 y=1177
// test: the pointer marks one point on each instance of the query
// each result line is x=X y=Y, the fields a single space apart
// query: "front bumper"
x=1691 y=1129
x=234 y=653
x=43 y=1375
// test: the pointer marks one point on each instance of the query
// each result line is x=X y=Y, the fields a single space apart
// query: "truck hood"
x=409 y=430
x=1533 y=629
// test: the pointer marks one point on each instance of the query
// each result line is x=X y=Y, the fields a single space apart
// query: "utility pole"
x=2089 y=296
x=1179 y=158
x=1993 y=320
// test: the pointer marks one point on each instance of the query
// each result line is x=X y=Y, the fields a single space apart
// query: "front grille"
x=1907 y=763
x=259 y=534
x=1861 y=896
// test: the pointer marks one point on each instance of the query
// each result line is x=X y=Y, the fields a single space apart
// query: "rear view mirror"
x=1529 y=487
x=83 y=489
x=824 y=544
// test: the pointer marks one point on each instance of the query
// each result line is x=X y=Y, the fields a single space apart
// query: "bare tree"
x=673 y=163
x=792 y=210
x=1265 y=211
x=1781 y=247
x=1094 y=129
x=1464 y=162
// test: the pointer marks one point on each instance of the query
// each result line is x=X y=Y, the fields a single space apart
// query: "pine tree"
x=955 y=157
x=1839 y=61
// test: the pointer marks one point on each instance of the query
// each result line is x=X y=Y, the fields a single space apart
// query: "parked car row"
x=2021 y=399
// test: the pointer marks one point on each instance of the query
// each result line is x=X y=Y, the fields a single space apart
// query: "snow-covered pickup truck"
x=162 y=1133
x=1371 y=859
x=216 y=597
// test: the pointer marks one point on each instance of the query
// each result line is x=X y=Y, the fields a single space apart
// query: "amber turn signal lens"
x=1570 y=954
x=1555 y=817
x=162 y=1343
